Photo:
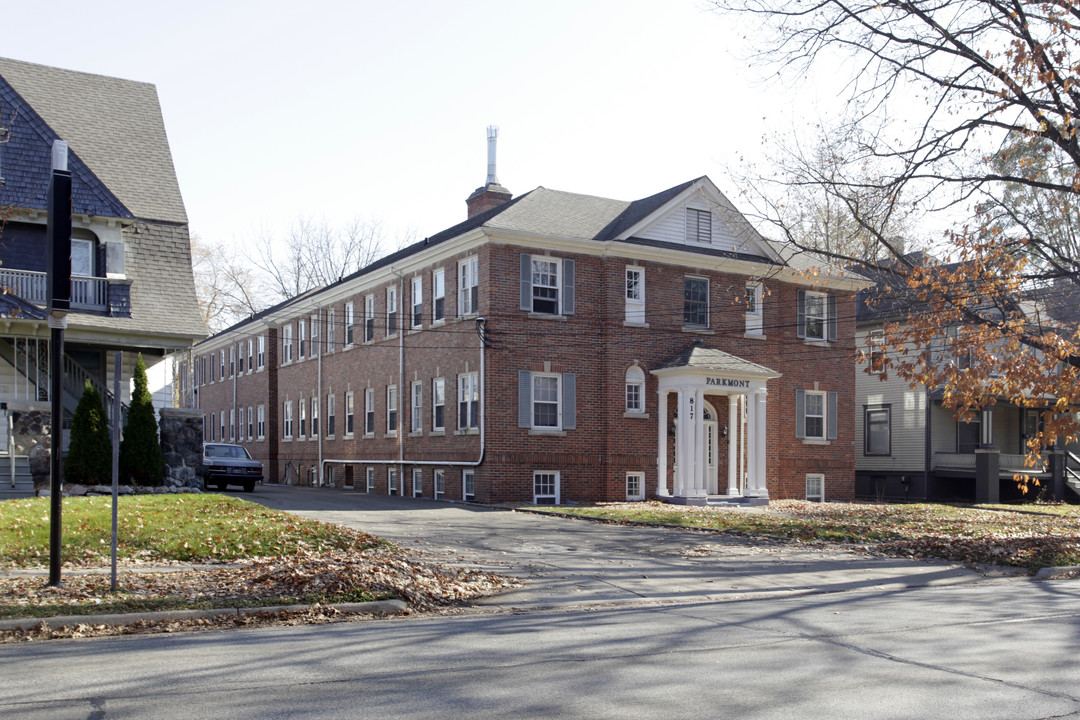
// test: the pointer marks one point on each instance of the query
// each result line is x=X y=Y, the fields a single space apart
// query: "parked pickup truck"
x=230 y=465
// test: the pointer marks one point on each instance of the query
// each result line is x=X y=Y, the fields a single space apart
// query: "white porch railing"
x=87 y=293
x=1007 y=462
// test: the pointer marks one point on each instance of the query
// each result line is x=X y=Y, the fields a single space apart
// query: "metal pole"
x=56 y=393
x=115 y=458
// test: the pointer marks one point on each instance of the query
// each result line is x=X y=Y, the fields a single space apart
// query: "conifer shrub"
x=89 y=458
x=142 y=461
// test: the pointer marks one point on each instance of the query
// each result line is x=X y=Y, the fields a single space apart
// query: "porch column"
x=751 y=448
x=732 y=445
x=760 y=488
x=662 y=444
x=684 y=438
x=700 y=485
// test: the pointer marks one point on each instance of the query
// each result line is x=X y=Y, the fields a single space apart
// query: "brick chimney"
x=492 y=194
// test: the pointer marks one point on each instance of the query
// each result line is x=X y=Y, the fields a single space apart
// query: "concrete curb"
x=1057 y=573
x=375 y=607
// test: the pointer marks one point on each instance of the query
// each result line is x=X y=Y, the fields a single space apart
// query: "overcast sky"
x=378 y=110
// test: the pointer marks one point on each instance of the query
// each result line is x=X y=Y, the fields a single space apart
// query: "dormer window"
x=82 y=257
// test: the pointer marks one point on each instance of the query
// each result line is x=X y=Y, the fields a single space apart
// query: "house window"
x=250 y=354
x=261 y=356
x=438 y=295
x=286 y=344
x=815 y=487
x=330 y=330
x=877 y=430
x=392 y=481
x=816 y=316
x=82 y=257
x=468 y=401
x=875 y=342
x=546 y=401
x=369 y=484
x=262 y=422
x=232 y=360
x=635 y=294
x=302 y=407
x=314 y=416
x=635 y=390
x=331 y=419
x=369 y=411
x=698 y=225
x=349 y=318
x=349 y=413
x=369 y=318
x=287 y=420
x=301 y=338
x=391 y=311
x=545 y=285
x=468 y=287
x=222 y=362
x=417 y=302
x=391 y=409
x=468 y=485
x=635 y=486
x=314 y=334
x=753 y=309
x=232 y=424
x=251 y=423
x=815 y=415
x=203 y=379
x=221 y=419
x=546 y=487
x=240 y=358
x=438 y=480
x=438 y=404
x=416 y=417
x=417 y=482
x=696 y=302
x=211 y=423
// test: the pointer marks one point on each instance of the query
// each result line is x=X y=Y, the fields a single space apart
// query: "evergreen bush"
x=89 y=458
x=141 y=458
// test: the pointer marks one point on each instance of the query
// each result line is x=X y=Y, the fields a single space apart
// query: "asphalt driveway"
x=573 y=562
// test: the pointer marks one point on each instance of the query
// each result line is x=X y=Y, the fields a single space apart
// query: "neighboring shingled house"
x=556 y=347
x=132 y=286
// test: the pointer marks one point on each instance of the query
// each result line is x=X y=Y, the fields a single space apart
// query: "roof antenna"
x=493 y=137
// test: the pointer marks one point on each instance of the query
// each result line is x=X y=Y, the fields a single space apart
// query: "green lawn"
x=1030 y=536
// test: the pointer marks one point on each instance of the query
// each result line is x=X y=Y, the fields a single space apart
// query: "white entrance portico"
x=693 y=377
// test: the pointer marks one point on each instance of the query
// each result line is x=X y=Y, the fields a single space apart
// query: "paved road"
x=567 y=562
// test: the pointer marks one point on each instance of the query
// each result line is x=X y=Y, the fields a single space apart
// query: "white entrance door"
x=712 y=433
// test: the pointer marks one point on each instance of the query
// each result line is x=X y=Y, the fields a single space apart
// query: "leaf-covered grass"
x=163 y=528
x=1031 y=536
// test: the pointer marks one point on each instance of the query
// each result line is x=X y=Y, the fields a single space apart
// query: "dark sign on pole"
x=58 y=252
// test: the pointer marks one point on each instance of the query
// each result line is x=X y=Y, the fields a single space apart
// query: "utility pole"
x=58 y=292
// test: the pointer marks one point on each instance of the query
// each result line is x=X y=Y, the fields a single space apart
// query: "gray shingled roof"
x=115 y=126
x=559 y=214
x=703 y=358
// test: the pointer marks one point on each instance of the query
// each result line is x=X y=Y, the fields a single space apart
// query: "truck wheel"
x=221 y=486
x=249 y=486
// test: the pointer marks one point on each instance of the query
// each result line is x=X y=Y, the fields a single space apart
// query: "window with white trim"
x=222 y=419
x=369 y=411
x=468 y=401
x=815 y=487
x=315 y=334
x=546 y=487
x=330 y=330
x=545 y=401
x=417 y=482
x=875 y=343
x=391 y=409
x=635 y=294
x=698 y=226
x=232 y=360
x=286 y=344
x=635 y=390
x=417 y=302
x=438 y=481
x=251 y=423
x=350 y=319
x=391 y=481
x=416 y=416
x=816 y=316
x=369 y=318
x=546 y=272
x=468 y=286
x=438 y=404
x=287 y=420
x=438 y=295
x=314 y=416
x=391 y=311
x=262 y=422
x=350 y=408
x=816 y=415
x=696 y=302
x=877 y=430
x=468 y=485
x=301 y=339
x=240 y=424
x=369 y=484
x=261 y=356
x=302 y=408
x=635 y=486
x=222 y=357
x=331 y=419
x=753 y=309
x=232 y=424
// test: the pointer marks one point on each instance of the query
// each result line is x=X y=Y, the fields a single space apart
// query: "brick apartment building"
x=555 y=348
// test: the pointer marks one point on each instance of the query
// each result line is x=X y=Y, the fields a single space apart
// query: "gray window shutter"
x=568 y=287
x=569 y=401
x=832 y=416
x=832 y=318
x=524 y=399
x=800 y=412
x=526 y=282
x=800 y=322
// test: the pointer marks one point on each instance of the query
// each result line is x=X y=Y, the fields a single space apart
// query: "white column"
x=733 y=445
x=684 y=439
x=761 y=487
x=751 y=447
x=661 y=450
x=700 y=468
